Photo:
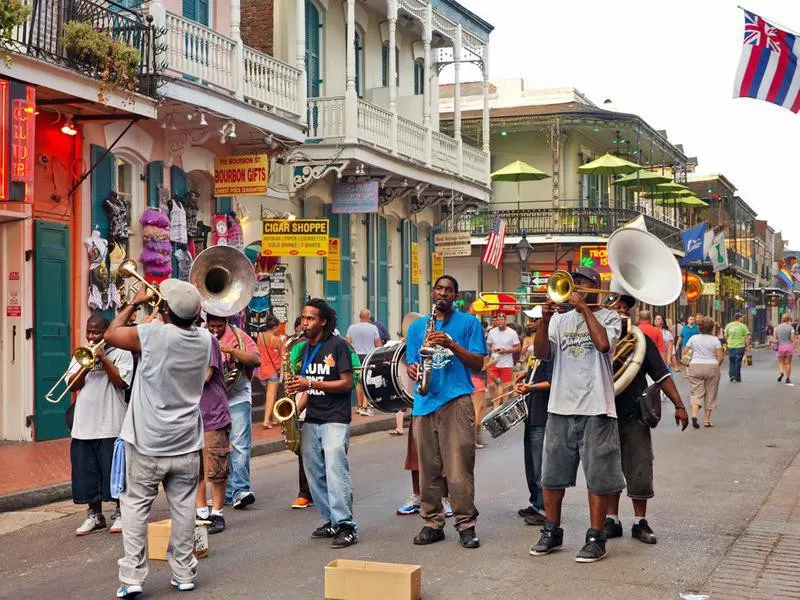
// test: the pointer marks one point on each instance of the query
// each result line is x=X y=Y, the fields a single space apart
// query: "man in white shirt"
x=502 y=342
x=364 y=337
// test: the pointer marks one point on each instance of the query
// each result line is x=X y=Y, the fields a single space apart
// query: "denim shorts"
x=592 y=440
x=636 y=447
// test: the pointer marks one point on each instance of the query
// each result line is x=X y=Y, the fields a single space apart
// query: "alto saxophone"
x=285 y=409
x=426 y=354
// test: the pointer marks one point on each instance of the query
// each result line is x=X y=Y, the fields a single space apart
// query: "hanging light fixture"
x=231 y=129
x=405 y=182
x=203 y=121
x=360 y=170
x=69 y=128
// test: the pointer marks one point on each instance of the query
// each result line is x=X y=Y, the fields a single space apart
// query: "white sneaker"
x=128 y=591
x=116 y=523
x=368 y=412
x=182 y=587
x=448 y=510
x=91 y=524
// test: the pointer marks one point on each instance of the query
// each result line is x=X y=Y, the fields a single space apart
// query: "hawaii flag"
x=768 y=65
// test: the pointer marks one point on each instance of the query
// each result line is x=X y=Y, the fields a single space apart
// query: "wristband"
x=309 y=385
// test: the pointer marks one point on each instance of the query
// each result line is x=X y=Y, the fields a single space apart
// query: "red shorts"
x=785 y=350
x=504 y=374
x=479 y=383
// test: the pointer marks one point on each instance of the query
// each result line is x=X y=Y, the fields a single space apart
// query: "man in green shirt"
x=737 y=337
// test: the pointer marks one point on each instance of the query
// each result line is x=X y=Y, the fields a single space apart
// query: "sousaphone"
x=225 y=279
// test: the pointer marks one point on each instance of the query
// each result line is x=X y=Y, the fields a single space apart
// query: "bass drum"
x=385 y=380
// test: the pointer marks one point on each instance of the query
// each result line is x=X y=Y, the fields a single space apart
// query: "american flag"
x=768 y=64
x=495 y=245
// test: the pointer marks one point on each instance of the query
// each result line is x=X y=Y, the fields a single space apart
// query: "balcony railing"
x=563 y=221
x=41 y=36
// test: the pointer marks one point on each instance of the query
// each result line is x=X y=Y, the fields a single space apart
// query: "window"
x=197 y=10
x=385 y=65
x=359 y=44
x=419 y=77
x=131 y=189
x=313 y=46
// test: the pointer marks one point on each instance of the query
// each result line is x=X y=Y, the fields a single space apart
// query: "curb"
x=63 y=491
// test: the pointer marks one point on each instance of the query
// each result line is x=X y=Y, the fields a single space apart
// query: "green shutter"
x=383 y=271
x=371 y=257
x=312 y=49
x=385 y=66
x=196 y=10
x=224 y=205
x=155 y=178
x=102 y=185
x=177 y=182
x=405 y=245
x=339 y=293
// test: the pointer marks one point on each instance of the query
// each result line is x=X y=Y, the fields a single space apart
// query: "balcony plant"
x=13 y=13
x=114 y=61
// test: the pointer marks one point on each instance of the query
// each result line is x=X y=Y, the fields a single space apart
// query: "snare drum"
x=385 y=380
x=505 y=416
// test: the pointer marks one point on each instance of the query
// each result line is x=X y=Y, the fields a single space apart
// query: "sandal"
x=708 y=424
x=267 y=426
x=395 y=432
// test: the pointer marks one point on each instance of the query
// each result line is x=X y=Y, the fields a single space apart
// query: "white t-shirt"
x=582 y=382
x=502 y=340
x=704 y=349
x=363 y=336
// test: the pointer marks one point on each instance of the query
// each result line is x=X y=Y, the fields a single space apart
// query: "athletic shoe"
x=537 y=520
x=780 y=376
x=428 y=535
x=410 y=507
x=243 y=500
x=368 y=413
x=116 y=523
x=552 y=539
x=346 y=536
x=468 y=538
x=528 y=511
x=301 y=502
x=642 y=532
x=217 y=524
x=128 y=591
x=612 y=529
x=324 y=531
x=182 y=587
x=362 y=412
x=448 y=510
x=92 y=523
x=594 y=549
x=789 y=381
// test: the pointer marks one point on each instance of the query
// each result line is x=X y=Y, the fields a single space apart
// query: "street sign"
x=525 y=278
x=455 y=243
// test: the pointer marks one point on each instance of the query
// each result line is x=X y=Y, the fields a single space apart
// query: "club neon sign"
x=3 y=138
x=23 y=119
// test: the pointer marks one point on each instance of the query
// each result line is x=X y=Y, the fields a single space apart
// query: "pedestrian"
x=687 y=331
x=99 y=410
x=704 y=370
x=384 y=333
x=163 y=430
x=636 y=444
x=655 y=334
x=444 y=427
x=737 y=338
x=240 y=357
x=326 y=377
x=785 y=341
x=582 y=424
x=536 y=388
x=479 y=399
x=669 y=342
x=502 y=342
x=216 y=443
x=364 y=337
x=271 y=350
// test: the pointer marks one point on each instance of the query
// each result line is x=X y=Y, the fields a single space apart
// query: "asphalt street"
x=709 y=483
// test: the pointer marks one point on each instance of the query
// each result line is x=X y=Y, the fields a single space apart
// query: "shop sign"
x=595 y=257
x=333 y=268
x=241 y=175
x=351 y=197
x=22 y=135
x=13 y=276
x=437 y=265
x=717 y=304
x=297 y=237
x=456 y=243
x=13 y=306
x=414 y=263
x=4 y=126
x=709 y=288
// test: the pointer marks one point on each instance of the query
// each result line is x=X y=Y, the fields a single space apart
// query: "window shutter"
x=338 y=293
x=372 y=255
x=103 y=181
x=190 y=9
x=312 y=50
x=155 y=178
x=177 y=182
x=202 y=12
x=385 y=65
x=224 y=205
x=405 y=238
x=383 y=271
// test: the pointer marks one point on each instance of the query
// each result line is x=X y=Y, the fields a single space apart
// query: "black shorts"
x=637 y=458
x=91 y=470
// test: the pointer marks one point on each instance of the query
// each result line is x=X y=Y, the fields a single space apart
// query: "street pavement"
x=710 y=483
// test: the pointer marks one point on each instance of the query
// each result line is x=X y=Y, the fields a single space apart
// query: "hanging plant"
x=13 y=13
x=115 y=62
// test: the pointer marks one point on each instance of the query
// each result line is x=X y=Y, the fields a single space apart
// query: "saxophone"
x=426 y=354
x=285 y=409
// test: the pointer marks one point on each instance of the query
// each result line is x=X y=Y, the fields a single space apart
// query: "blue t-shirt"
x=450 y=378
x=687 y=332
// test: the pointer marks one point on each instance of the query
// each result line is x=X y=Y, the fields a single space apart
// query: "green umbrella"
x=642 y=178
x=671 y=187
x=608 y=164
x=518 y=171
x=682 y=200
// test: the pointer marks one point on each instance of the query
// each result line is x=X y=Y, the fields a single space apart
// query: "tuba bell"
x=225 y=279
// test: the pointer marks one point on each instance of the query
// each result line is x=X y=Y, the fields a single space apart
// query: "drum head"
x=403 y=382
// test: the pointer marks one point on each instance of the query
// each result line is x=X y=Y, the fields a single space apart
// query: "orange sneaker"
x=302 y=503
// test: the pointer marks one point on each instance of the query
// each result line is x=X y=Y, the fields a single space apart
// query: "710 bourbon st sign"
x=298 y=237
x=242 y=175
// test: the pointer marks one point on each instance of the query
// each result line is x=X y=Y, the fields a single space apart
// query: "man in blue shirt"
x=443 y=418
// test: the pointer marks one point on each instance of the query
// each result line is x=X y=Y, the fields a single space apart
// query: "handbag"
x=649 y=406
x=774 y=345
x=687 y=357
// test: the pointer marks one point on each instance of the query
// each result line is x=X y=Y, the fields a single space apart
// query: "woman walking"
x=784 y=341
x=704 y=370
x=271 y=349
x=669 y=342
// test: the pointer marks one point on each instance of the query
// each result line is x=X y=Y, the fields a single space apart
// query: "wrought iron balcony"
x=41 y=36
x=564 y=221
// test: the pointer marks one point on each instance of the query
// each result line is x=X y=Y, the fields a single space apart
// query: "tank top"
x=270 y=359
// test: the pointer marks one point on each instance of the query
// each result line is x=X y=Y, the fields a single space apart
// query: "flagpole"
x=770 y=20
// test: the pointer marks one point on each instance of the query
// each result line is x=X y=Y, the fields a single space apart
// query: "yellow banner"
x=414 y=263
x=437 y=266
x=298 y=237
x=242 y=175
x=333 y=270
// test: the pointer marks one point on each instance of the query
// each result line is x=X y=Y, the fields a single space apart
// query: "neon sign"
x=23 y=119
x=3 y=142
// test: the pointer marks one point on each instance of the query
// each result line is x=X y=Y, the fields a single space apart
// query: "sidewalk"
x=35 y=473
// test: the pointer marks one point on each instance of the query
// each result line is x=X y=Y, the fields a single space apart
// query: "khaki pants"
x=704 y=380
x=445 y=442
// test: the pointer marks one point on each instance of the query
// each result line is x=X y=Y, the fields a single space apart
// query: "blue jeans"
x=735 y=356
x=241 y=443
x=324 y=451
x=533 y=444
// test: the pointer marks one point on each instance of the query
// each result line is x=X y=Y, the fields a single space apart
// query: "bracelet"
x=309 y=384
x=681 y=407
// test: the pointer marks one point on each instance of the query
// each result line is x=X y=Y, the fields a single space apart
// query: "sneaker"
x=780 y=376
x=346 y=536
x=552 y=539
x=528 y=511
x=468 y=538
x=128 y=591
x=116 y=523
x=642 y=532
x=410 y=507
x=217 y=524
x=361 y=412
x=448 y=510
x=479 y=446
x=324 y=531
x=301 y=502
x=182 y=587
x=428 y=535
x=594 y=549
x=789 y=381
x=612 y=529
x=243 y=500
x=537 y=520
x=92 y=523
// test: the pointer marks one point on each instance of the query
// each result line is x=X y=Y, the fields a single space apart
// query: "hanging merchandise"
x=157 y=252
x=191 y=204
x=117 y=211
x=220 y=230
x=235 y=233
x=177 y=223
x=97 y=249
x=184 y=261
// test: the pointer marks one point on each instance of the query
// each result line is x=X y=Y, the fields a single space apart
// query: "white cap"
x=533 y=313
x=182 y=298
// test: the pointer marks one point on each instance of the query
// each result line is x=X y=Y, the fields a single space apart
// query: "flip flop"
x=395 y=432
x=708 y=424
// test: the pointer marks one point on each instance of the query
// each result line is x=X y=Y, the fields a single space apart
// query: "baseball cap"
x=588 y=273
x=182 y=298
x=533 y=313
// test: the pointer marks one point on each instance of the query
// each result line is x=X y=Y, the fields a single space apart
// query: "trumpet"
x=560 y=286
x=127 y=269
x=85 y=356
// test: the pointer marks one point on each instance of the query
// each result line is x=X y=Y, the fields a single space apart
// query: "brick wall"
x=257 y=24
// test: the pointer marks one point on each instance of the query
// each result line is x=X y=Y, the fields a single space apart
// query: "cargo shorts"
x=214 y=458
x=636 y=447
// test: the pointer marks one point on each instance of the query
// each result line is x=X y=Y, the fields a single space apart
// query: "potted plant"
x=13 y=13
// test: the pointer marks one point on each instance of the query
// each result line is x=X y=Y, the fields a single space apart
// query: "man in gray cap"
x=163 y=431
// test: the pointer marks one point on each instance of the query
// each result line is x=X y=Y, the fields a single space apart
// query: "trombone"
x=127 y=269
x=85 y=357
x=560 y=286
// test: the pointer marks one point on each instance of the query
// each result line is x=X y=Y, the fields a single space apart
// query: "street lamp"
x=523 y=248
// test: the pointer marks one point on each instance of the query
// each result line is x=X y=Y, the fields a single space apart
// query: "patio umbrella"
x=608 y=164
x=681 y=200
x=642 y=178
x=496 y=304
x=518 y=171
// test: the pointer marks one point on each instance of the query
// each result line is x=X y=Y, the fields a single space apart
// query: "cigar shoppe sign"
x=241 y=175
x=294 y=237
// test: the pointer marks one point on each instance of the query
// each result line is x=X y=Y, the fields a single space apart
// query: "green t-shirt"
x=736 y=333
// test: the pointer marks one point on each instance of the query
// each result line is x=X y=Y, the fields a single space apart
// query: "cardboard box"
x=158 y=539
x=367 y=580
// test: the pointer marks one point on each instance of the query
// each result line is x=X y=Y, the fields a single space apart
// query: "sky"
x=672 y=63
